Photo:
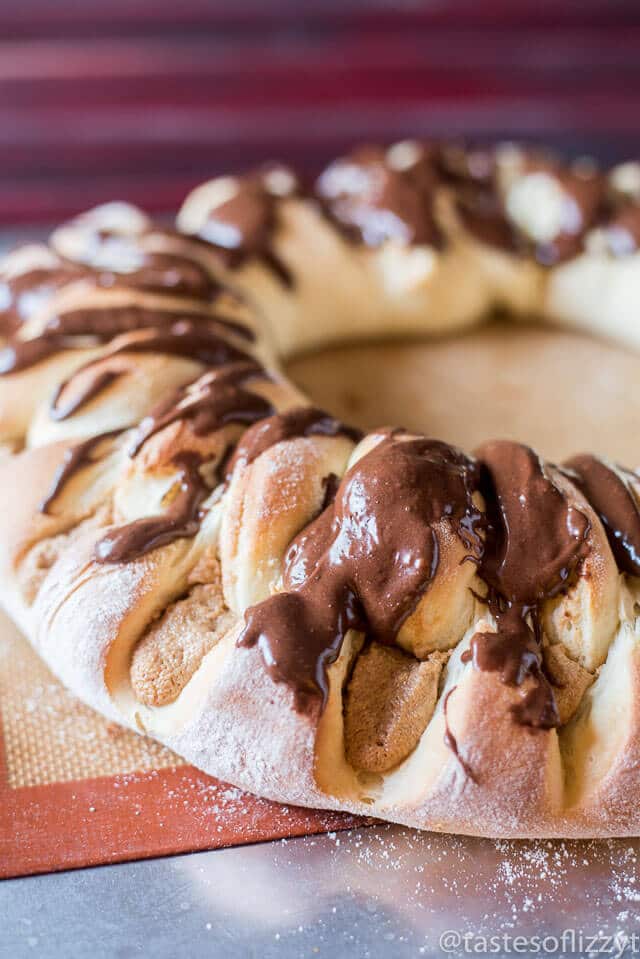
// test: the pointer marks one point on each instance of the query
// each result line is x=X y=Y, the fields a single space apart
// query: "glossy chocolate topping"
x=535 y=541
x=244 y=226
x=100 y=325
x=23 y=294
x=458 y=163
x=112 y=260
x=366 y=561
x=215 y=399
x=126 y=543
x=150 y=272
x=373 y=201
x=98 y=380
x=111 y=257
x=482 y=212
x=584 y=193
x=296 y=422
x=168 y=273
x=74 y=459
x=621 y=230
x=481 y=205
x=612 y=494
x=471 y=173
x=193 y=341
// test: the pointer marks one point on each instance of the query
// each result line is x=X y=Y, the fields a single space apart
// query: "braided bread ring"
x=378 y=624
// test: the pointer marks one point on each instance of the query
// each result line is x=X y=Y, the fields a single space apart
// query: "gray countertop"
x=375 y=892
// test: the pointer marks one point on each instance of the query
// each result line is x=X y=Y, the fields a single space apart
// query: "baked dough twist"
x=380 y=624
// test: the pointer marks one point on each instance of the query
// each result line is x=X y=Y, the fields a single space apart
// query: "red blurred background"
x=141 y=99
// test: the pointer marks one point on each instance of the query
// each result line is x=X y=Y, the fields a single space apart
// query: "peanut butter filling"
x=174 y=646
x=389 y=700
x=569 y=680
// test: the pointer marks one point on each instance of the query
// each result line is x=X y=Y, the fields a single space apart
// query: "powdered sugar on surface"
x=204 y=799
x=391 y=885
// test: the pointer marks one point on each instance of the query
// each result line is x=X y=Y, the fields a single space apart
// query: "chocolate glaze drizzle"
x=21 y=295
x=138 y=268
x=372 y=197
x=473 y=176
x=162 y=273
x=534 y=544
x=297 y=422
x=621 y=229
x=75 y=458
x=244 y=226
x=215 y=399
x=101 y=379
x=126 y=257
x=369 y=557
x=134 y=267
x=197 y=341
x=365 y=561
x=182 y=519
x=529 y=517
x=585 y=198
x=371 y=201
x=168 y=273
x=100 y=325
x=613 y=496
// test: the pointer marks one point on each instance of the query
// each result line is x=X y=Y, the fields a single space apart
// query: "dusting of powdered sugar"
x=405 y=889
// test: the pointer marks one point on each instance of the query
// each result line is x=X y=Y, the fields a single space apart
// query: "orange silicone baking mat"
x=76 y=790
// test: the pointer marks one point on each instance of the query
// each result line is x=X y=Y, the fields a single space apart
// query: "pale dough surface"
x=559 y=391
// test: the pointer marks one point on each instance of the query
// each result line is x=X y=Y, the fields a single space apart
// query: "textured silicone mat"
x=76 y=790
